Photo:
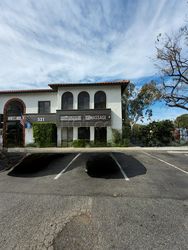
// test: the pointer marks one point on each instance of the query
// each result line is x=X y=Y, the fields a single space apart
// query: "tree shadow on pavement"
x=102 y=165
x=96 y=165
x=130 y=165
x=35 y=165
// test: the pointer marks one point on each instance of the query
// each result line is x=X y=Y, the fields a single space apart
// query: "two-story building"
x=80 y=111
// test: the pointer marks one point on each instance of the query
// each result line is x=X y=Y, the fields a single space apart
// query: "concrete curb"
x=98 y=149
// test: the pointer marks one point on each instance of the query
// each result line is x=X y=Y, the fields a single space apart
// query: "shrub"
x=80 y=143
x=125 y=142
x=116 y=137
x=126 y=131
x=45 y=134
x=31 y=145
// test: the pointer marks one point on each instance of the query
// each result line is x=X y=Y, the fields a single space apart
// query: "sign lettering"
x=70 y=118
x=14 y=118
x=95 y=117
x=40 y=119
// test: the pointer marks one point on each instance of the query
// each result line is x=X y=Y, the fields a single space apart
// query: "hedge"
x=45 y=134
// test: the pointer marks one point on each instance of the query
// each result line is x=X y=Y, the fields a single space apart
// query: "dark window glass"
x=83 y=100
x=100 y=100
x=14 y=108
x=84 y=133
x=100 y=134
x=67 y=101
x=44 y=107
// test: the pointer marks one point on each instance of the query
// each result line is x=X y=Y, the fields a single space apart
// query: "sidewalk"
x=90 y=150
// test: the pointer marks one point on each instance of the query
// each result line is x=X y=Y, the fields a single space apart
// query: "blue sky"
x=46 y=41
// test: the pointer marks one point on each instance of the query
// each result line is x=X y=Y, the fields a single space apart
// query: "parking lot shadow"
x=130 y=165
x=102 y=165
x=97 y=165
x=36 y=165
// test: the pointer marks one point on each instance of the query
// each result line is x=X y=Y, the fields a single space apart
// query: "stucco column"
x=75 y=133
x=92 y=134
x=109 y=134
x=92 y=100
x=59 y=137
x=75 y=101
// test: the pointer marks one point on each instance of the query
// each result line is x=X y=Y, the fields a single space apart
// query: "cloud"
x=70 y=41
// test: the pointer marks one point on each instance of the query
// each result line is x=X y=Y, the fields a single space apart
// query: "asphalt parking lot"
x=67 y=202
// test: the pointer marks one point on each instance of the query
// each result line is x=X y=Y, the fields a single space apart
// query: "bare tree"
x=172 y=60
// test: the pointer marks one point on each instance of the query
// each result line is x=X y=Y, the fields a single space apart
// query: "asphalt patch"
x=75 y=234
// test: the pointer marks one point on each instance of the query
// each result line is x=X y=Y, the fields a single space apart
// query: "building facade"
x=80 y=111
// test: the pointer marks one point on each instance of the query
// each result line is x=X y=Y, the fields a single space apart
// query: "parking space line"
x=185 y=172
x=123 y=173
x=58 y=175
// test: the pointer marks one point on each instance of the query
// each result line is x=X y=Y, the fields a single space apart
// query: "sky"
x=46 y=41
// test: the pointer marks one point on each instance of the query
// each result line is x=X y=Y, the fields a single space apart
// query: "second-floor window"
x=100 y=100
x=67 y=101
x=83 y=100
x=43 y=107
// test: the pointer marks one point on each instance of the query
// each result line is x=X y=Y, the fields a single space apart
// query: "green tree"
x=137 y=103
x=182 y=121
x=157 y=133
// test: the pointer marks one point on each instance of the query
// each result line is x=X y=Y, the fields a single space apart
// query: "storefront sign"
x=40 y=118
x=14 y=118
x=95 y=117
x=71 y=118
x=85 y=118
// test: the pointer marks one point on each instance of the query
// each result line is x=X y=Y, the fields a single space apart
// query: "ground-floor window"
x=67 y=136
x=84 y=133
x=100 y=135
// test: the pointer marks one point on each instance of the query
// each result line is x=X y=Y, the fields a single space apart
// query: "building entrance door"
x=14 y=134
x=67 y=136
x=13 y=128
x=100 y=135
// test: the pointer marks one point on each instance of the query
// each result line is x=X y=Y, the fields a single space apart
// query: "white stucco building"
x=80 y=111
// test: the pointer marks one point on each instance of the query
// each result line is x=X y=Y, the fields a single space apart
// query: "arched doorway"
x=13 y=128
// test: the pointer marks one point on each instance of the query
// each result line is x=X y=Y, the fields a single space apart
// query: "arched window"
x=83 y=100
x=67 y=101
x=100 y=100
x=14 y=125
x=15 y=108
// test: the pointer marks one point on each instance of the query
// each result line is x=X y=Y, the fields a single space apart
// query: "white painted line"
x=123 y=173
x=185 y=172
x=57 y=176
x=177 y=152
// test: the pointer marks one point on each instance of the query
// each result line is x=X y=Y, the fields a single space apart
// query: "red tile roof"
x=26 y=91
x=120 y=82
